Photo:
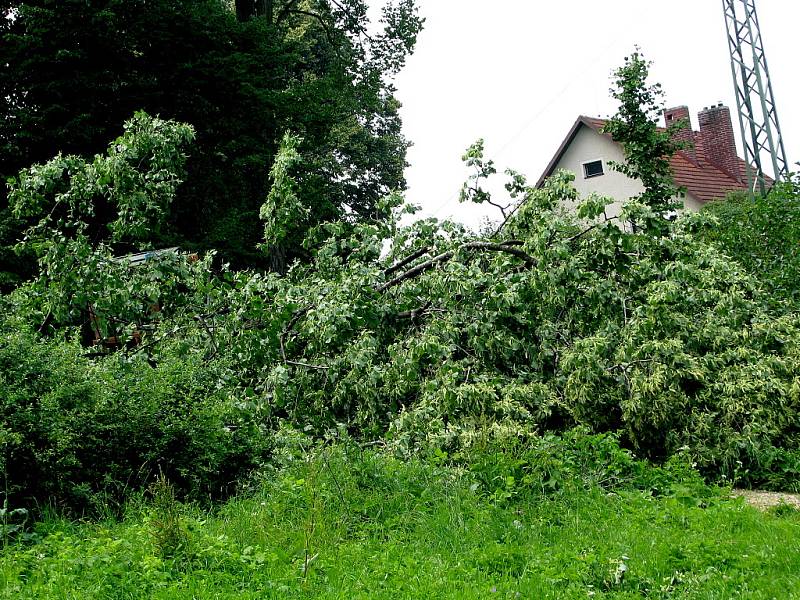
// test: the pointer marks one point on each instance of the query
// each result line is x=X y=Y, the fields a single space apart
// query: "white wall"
x=588 y=145
x=689 y=203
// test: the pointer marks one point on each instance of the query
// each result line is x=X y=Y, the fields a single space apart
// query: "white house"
x=708 y=170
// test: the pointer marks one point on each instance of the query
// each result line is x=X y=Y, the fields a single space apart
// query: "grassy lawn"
x=367 y=526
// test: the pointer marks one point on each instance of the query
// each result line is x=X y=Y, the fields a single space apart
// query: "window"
x=592 y=169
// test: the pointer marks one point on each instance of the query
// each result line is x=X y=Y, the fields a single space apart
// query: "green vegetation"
x=450 y=337
x=73 y=71
x=647 y=148
x=542 y=410
x=341 y=522
x=81 y=435
x=763 y=235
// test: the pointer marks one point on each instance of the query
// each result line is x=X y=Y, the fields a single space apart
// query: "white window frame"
x=588 y=162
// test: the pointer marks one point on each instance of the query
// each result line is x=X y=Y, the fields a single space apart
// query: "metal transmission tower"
x=758 y=118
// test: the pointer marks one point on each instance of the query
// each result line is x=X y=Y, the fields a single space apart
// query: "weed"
x=168 y=531
x=363 y=524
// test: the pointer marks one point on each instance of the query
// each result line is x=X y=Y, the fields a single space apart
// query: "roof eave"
x=551 y=166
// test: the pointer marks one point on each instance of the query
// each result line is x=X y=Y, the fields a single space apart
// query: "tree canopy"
x=647 y=148
x=72 y=72
x=425 y=337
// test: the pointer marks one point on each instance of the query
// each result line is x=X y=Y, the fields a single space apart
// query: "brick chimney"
x=719 y=146
x=684 y=134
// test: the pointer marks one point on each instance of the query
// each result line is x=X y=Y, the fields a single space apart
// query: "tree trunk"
x=268 y=10
x=247 y=9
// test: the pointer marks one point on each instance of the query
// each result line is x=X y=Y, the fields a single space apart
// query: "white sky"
x=518 y=72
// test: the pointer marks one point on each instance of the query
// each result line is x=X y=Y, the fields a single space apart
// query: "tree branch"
x=504 y=247
x=625 y=367
x=209 y=331
x=307 y=365
x=593 y=227
x=508 y=217
x=285 y=11
x=325 y=27
x=445 y=256
x=414 y=313
x=362 y=30
x=418 y=270
x=298 y=314
x=408 y=259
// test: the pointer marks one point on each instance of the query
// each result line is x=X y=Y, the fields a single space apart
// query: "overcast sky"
x=518 y=72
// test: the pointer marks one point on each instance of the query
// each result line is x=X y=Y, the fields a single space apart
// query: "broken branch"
x=506 y=247
x=408 y=259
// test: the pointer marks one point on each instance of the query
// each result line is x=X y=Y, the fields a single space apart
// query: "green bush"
x=83 y=434
x=763 y=235
x=429 y=338
x=577 y=459
x=772 y=468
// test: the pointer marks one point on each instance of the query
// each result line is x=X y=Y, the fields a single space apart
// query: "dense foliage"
x=410 y=409
x=647 y=148
x=72 y=71
x=556 y=521
x=430 y=337
x=763 y=235
x=427 y=338
x=82 y=435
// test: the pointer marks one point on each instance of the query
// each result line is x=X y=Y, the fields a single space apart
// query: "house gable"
x=706 y=171
x=585 y=143
x=590 y=145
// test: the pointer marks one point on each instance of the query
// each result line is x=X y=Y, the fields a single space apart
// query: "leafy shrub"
x=576 y=459
x=83 y=434
x=430 y=337
x=554 y=323
x=763 y=235
x=772 y=468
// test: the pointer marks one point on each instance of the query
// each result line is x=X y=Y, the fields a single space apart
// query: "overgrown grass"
x=340 y=522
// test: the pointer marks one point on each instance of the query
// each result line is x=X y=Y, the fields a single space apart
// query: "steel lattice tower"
x=758 y=117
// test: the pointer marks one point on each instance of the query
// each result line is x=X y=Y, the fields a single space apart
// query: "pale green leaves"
x=142 y=172
x=472 y=190
x=592 y=207
x=647 y=148
x=83 y=206
x=138 y=178
x=282 y=212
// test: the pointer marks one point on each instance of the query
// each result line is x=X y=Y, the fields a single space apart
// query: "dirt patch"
x=766 y=500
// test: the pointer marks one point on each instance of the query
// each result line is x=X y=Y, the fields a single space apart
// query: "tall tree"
x=72 y=71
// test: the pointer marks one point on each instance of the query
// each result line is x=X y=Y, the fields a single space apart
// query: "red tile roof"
x=702 y=180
